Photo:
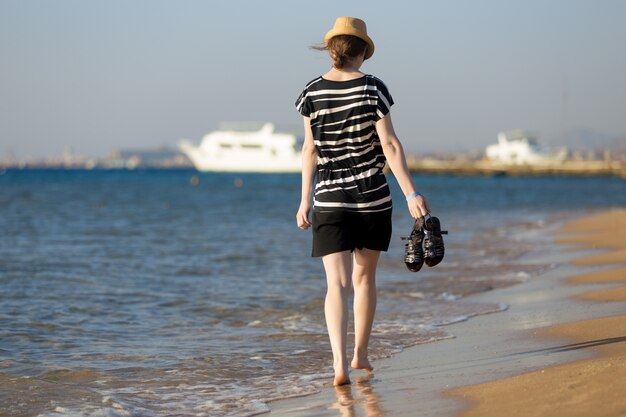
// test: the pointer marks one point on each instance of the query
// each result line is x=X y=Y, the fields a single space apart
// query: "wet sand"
x=562 y=369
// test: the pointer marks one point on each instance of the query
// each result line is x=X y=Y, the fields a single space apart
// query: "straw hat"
x=351 y=26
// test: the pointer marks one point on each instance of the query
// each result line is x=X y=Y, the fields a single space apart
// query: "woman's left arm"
x=392 y=148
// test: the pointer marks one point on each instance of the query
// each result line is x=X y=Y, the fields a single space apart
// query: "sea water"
x=175 y=293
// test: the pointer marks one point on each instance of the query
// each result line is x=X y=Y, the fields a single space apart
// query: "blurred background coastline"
x=592 y=161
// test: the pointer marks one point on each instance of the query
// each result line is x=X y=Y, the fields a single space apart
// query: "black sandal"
x=433 y=241
x=413 y=252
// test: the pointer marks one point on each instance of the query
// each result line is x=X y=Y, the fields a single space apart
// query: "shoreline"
x=485 y=348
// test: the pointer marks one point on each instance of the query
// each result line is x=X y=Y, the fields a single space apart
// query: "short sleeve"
x=303 y=104
x=384 y=102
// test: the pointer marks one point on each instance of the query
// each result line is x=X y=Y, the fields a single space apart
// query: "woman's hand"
x=302 y=217
x=418 y=207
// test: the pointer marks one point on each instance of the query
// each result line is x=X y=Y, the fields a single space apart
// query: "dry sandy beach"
x=591 y=387
x=559 y=350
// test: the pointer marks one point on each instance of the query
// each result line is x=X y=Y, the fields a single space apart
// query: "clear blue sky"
x=99 y=75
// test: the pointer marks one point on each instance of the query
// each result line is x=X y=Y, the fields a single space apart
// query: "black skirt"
x=338 y=231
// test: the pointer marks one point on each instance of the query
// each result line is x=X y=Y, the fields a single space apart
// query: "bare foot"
x=341 y=377
x=362 y=363
x=341 y=380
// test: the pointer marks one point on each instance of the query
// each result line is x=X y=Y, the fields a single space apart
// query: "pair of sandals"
x=425 y=243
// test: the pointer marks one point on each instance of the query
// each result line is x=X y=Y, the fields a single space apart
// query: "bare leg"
x=364 y=281
x=338 y=268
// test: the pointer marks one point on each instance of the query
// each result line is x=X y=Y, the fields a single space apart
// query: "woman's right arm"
x=309 y=164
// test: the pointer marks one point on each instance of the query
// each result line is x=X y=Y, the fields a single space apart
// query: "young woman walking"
x=348 y=138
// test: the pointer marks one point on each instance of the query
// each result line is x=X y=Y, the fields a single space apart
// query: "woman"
x=348 y=138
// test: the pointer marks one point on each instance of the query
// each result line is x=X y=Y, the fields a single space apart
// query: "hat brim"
x=349 y=31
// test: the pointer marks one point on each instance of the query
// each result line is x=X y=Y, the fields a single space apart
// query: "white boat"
x=234 y=150
x=518 y=147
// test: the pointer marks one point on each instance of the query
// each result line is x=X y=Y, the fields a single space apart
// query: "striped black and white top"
x=350 y=159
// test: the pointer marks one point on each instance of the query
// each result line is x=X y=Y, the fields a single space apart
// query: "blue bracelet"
x=415 y=194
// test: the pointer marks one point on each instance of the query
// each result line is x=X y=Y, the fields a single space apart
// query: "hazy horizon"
x=96 y=76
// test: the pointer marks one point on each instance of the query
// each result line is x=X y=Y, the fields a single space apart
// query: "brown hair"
x=343 y=48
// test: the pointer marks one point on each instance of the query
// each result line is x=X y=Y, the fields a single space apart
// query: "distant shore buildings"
x=158 y=158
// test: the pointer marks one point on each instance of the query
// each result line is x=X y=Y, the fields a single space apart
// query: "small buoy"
x=238 y=182
x=195 y=180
